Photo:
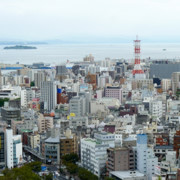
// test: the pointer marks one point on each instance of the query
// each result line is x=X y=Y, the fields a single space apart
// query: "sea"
x=60 y=53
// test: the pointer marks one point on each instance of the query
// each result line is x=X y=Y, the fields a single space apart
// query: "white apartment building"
x=81 y=121
x=104 y=79
x=106 y=63
x=93 y=155
x=23 y=98
x=105 y=138
x=13 y=149
x=146 y=160
x=9 y=148
x=19 y=80
x=156 y=108
x=166 y=84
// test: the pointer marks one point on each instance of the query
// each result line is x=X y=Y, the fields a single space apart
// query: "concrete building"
x=106 y=63
x=142 y=84
x=175 y=81
x=156 y=108
x=166 y=84
x=13 y=149
x=34 y=140
x=93 y=155
x=30 y=94
x=105 y=138
x=23 y=98
x=78 y=121
x=68 y=143
x=120 y=159
x=39 y=77
x=98 y=106
x=77 y=105
x=104 y=80
x=113 y=92
x=2 y=149
x=10 y=113
x=127 y=175
x=89 y=58
x=52 y=148
x=44 y=123
x=61 y=70
x=48 y=95
x=146 y=161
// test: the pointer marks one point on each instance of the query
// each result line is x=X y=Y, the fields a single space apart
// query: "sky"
x=90 y=20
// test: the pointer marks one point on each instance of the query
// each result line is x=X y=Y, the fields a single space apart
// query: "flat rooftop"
x=127 y=174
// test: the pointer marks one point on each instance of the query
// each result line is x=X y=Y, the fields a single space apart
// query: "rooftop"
x=163 y=147
x=126 y=174
x=52 y=140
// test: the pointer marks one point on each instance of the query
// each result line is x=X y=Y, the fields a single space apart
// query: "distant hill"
x=20 y=47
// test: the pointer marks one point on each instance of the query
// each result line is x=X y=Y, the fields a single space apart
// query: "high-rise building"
x=13 y=149
x=166 y=84
x=175 y=81
x=24 y=98
x=39 y=77
x=49 y=95
x=61 y=70
x=2 y=149
x=146 y=160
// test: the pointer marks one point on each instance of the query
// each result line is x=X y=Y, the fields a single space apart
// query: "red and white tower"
x=138 y=72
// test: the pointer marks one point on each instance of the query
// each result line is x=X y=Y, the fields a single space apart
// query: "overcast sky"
x=156 y=20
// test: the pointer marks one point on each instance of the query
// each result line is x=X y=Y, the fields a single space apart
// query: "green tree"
x=72 y=168
x=70 y=158
x=49 y=176
x=35 y=166
x=22 y=173
x=32 y=83
x=84 y=174
x=178 y=93
x=2 y=100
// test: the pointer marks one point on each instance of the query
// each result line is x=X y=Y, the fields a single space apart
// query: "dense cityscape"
x=113 y=119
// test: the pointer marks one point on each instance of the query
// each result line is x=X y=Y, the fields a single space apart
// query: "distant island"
x=20 y=47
